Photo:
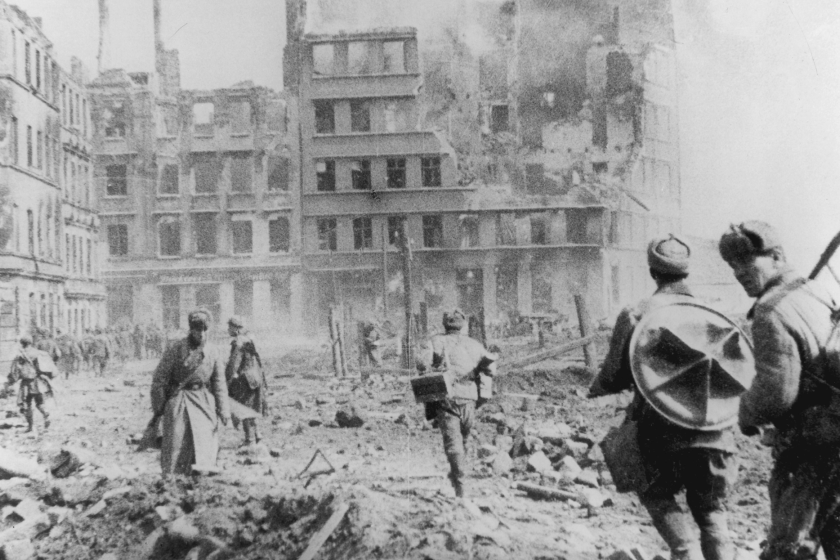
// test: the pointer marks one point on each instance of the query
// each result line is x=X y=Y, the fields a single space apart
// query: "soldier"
x=71 y=353
x=790 y=321
x=465 y=361
x=34 y=384
x=87 y=349
x=44 y=342
x=245 y=378
x=373 y=351
x=675 y=457
x=139 y=339
x=100 y=352
x=190 y=394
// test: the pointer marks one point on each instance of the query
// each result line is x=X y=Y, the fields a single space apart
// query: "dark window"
x=118 y=240
x=205 y=234
x=613 y=234
x=499 y=118
x=27 y=62
x=469 y=231
x=29 y=146
x=169 y=179
x=324 y=117
x=396 y=173
x=207 y=170
x=394 y=57
x=171 y=298
x=170 y=238
x=575 y=226
x=243 y=239
x=395 y=229
x=506 y=229
x=362 y=233
x=616 y=284
x=278 y=173
x=37 y=69
x=325 y=171
x=87 y=261
x=14 y=140
x=116 y=182
x=115 y=130
x=240 y=122
x=360 y=116
x=619 y=73
x=534 y=177
x=432 y=231
x=241 y=169
x=31 y=229
x=39 y=149
x=360 y=173
x=327 y=235
x=539 y=229
x=360 y=57
x=430 y=167
x=278 y=235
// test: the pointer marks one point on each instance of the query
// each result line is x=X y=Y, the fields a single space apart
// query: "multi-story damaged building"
x=48 y=231
x=195 y=198
x=529 y=170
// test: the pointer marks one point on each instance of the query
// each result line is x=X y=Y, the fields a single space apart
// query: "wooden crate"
x=431 y=388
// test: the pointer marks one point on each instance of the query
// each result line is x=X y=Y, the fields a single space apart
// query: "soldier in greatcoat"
x=71 y=353
x=795 y=389
x=100 y=351
x=34 y=383
x=675 y=457
x=245 y=377
x=190 y=394
x=467 y=364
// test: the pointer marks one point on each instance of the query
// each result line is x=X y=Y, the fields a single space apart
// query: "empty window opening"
x=324 y=117
x=116 y=180
x=243 y=238
x=278 y=173
x=619 y=73
x=169 y=238
x=115 y=118
x=205 y=234
x=362 y=233
x=327 y=235
x=394 y=57
x=397 y=114
x=275 y=116
x=118 y=240
x=396 y=225
x=207 y=170
x=360 y=116
x=534 y=177
x=241 y=169
x=506 y=229
x=575 y=226
x=540 y=228
x=396 y=173
x=240 y=113
x=203 y=118
x=432 y=231
x=360 y=173
x=278 y=235
x=468 y=225
x=499 y=118
x=325 y=173
x=169 y=179
x=322 y=59
x=430 y=168
x=360 y=57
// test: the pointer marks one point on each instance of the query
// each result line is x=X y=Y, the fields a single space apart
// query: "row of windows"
x=204 y=235
x=395 y=114
x=207 y=169
x=359 y=57
x=360 y=174
x=79 y=255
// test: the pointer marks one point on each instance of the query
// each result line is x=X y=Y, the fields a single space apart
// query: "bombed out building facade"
x=526 y=167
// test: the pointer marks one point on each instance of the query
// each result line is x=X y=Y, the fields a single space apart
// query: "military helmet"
x=691 y=363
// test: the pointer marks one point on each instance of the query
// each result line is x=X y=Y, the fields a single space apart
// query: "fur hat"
x=237 y=322
x=25 y=340
x=200 y=318
x=454 y=320
x=748 y=239
x=669 y=255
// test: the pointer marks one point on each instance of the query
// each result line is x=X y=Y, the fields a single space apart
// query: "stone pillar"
x=263 y=317
x=524 y=284
x=296 y=302
x=225 y=302
x=147 y=304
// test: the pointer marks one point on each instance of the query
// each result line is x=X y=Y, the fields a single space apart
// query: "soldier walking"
x=674 y=457
x=466 y=363
x=245 y=377
x=795 y=390
x=34 y=383
x=71 y=353
x=100 y=352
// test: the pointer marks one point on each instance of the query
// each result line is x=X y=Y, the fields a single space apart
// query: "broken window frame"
x=540 y=223
x=396 y=229
x=496 y=124
x=203 y=126
x=323 y=62
x=362 y=233
x=241 y=173
x=506 y=232
x=430 y=171
x=166 y=185
x=205 y=234
x=324 y=116
x=468 y=231
x=241 y=117
x=242 y=237
x=360 y=60
x=325 y=179
x=278 y=173
x=118 y=240
x=393 y=57
x=206 y=171
x=396 y=173
x=116 y=180
x=360 y=174
x=171 y=246
x=279 y=235
x=327 y=234
x=360 y=115
x=433 y=231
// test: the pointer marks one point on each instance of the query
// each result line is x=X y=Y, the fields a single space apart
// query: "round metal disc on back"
x=691 y=363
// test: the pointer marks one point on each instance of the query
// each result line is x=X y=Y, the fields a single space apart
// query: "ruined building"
x=530 y=165
x=49 y=254
x=195 y=199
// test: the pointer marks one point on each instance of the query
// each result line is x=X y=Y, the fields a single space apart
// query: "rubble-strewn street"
x=388 y=496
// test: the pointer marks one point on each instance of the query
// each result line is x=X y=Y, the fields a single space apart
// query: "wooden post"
x=424 y=319
x=336 y=349
x=384 y=270
x=408 y=347
x=585 y=330
x=361 y=326
x=339 y=328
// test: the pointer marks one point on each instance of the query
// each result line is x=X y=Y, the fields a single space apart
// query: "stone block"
x=487 y=450
x=502 y=463
x=538 y=462
x=351 y=416
x=588 y=477
x=22 y=549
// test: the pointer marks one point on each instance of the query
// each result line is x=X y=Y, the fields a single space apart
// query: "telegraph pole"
x=408 y=341
x=384 y=271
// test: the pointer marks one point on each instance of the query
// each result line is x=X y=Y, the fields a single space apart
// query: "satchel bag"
x=624 y=458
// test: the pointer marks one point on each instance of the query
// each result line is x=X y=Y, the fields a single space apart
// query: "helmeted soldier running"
x=34 y=383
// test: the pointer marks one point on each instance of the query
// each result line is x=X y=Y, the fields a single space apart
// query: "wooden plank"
x=319 y=538
x=585 y=328
x=545 y=492
x=551 y=352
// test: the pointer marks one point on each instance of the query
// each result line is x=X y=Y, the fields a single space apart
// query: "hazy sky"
x=759 y=93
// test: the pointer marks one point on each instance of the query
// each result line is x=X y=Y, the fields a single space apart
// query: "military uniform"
x=463 y=360
x=245 y=378
x=675 y=458
x=34 y=386
x=790 y=322
x=100 y=352
x=373 y=351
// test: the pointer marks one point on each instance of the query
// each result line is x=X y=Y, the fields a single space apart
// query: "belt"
x=194 y=386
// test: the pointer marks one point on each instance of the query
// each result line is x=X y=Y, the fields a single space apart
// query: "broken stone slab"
x=12 y=482
x=535 y=490
x=95 y=509
x=183 y=529
x=576 y=449
x=554 y=433
x=75 y=491
x=588 y=477
x=27 y=509
x=351 y=416
x=21 y=549
x=538 y=462
x=595 y=454
x=503 y=442
x=568 y=466
x=13 y=464
x=58 y=514
x=502 y=463
x=116 y=492
x=487 y=450
x=28 y=529
x=592 y=498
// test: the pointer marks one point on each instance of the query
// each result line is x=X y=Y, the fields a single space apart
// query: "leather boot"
x=249 y=436
x=30 y=420
x=673 y=525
